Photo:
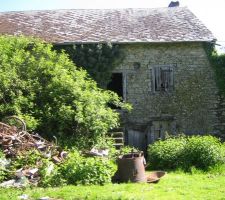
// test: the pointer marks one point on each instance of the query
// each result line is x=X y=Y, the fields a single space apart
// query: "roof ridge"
x=73 y=9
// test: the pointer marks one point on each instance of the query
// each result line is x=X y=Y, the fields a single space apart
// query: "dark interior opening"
x=116 y=84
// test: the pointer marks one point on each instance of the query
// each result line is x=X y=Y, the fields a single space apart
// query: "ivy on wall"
x=98 y=59
x=218 y=63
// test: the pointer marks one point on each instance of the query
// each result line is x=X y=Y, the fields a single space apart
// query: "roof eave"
x=133 y=42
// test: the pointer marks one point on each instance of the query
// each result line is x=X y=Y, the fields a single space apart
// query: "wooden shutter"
x=171 y=78
x=163 y=79
x=157 y=71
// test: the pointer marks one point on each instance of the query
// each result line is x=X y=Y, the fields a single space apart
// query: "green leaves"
x=47 y=90
x=184 y=152
x=80 y=170
x=98 y=59
x=167 y=154
x=218 y=63
x=203 y=152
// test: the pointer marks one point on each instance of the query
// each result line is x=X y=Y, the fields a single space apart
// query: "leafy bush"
x=203 y=152
x=47 y=170
x=115 y=153
x=167 y=154
x=26 y=159
x=75 y=169
x=182 y=152
x=49 y=174
x=92 y=170
x=30 y=159
x=3 y=164
x=45 y=89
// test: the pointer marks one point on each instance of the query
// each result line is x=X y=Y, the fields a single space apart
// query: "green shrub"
x=167 y=154
x=115 y=153
x=87 y=170
x=26 y=159
x=33 y=159
x=201 y=152
x=47 y=170
x=3 y=164
x=46 y=89
x=75 y=169
x=49 y=174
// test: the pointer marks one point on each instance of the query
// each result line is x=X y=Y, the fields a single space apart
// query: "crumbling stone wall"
x=193 y=104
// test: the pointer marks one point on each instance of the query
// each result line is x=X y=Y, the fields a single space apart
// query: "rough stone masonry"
x=190 y=104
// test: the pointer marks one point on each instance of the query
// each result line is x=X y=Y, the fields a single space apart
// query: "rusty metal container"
x=131 y=168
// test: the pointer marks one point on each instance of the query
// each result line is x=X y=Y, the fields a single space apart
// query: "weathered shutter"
x=162 y=77
x=157 y=78
x=167 y=78
x=171 y=78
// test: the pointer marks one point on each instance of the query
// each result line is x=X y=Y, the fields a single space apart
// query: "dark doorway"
x=116 y=84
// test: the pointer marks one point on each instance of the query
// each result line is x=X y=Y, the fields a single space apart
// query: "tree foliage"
x=50 y=93
x=98 y=59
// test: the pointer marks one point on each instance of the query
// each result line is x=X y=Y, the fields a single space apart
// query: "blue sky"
x=211 y=13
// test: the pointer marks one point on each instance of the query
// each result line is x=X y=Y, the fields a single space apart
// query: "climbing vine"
x=98 y=59
x=218 y=63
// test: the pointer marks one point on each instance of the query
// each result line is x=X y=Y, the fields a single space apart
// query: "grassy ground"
x=172 y=186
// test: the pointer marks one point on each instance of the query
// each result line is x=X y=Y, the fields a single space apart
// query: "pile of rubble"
x=14 y=142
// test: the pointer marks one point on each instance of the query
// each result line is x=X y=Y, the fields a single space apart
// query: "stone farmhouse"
x=165 y=74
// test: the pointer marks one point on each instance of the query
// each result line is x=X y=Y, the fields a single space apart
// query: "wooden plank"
x=171 y=82
x=153 y=79
x=116 y=133
x=117 y=137
x=137 y=139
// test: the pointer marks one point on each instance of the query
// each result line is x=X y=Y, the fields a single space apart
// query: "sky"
x=210 y=12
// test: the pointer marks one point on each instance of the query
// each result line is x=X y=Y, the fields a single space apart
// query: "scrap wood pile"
x=15 y=142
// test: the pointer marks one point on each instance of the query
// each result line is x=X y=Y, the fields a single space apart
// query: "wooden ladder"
x=117 y=135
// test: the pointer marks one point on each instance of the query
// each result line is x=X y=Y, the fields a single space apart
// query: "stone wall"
x=190 y=107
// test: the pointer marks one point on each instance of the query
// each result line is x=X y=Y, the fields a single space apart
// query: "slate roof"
x=176 y=24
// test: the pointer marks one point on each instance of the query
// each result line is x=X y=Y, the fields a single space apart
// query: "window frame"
x=159 y=72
